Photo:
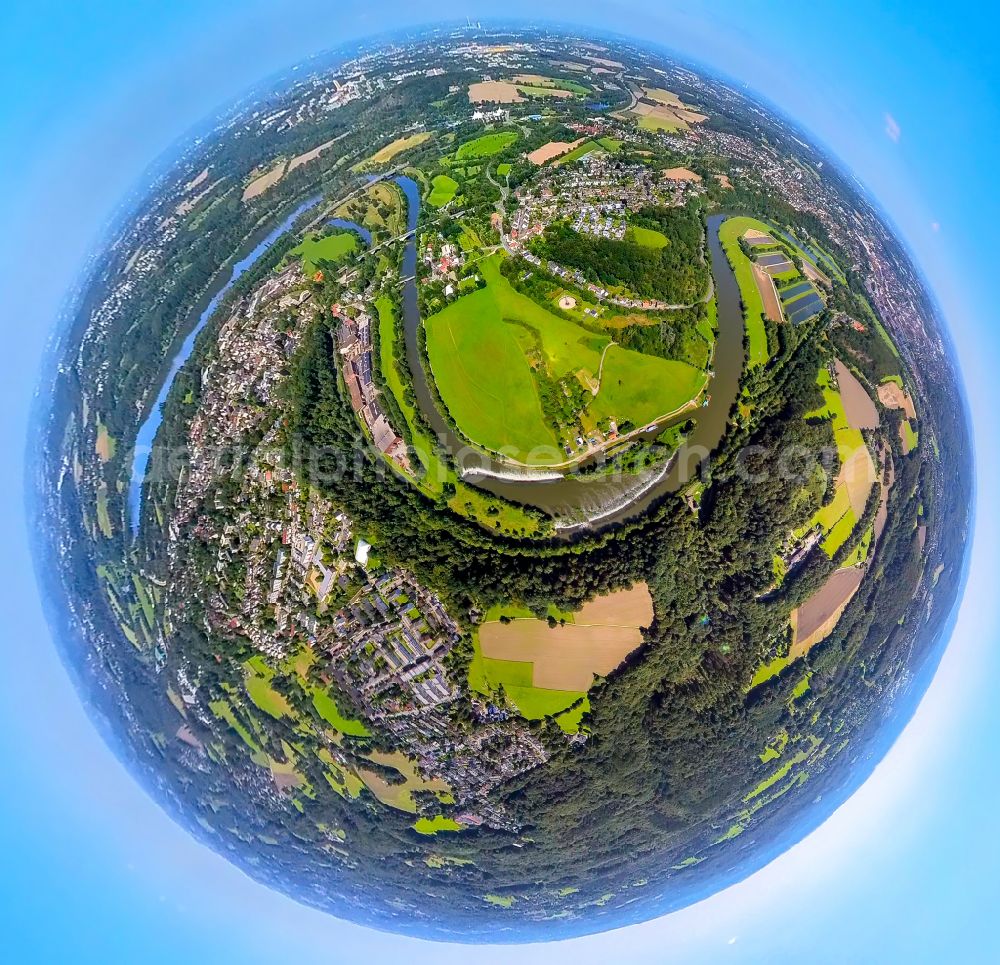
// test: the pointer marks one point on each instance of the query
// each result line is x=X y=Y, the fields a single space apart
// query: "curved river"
x=577 y=500
x=143 y=449
x=590 y=499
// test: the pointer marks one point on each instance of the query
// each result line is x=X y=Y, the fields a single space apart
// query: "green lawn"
x=479 y=347
x=328 y=710
x=642 y=388
x=435 y=824
x=483 y=376
x=529 y=91
x=388 y=364
x=647 y=237
x=504 y=169
x=260 y=691
x=650 y=123
x=729 y=234
x=330 y=248
x=443 y=189
x=486 y=146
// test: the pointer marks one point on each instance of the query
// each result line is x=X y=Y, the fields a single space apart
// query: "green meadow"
x=479 y=348
x=486 y=146
x=316 y=248
x=443 y=189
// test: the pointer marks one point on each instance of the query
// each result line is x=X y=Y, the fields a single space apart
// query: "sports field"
x=482 y=347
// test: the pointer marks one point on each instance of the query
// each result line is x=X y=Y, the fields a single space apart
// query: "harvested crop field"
x=265 y=181
x=765 y=285
x=858 y=406
x=893 y=396
x=606 y=630
x=393 y=148
x=552 y=150
x=858 y=475
x=308 y=156
x=494 y=92
x=816 y=618
x=681 y=174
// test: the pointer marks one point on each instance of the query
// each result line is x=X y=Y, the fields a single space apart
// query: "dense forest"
x=676 y=273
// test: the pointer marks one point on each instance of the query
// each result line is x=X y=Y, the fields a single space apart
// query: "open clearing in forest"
x=443 y=189
x=494 y=92
x=816 y=618
x=308 y=156
x=566 y=657
x=398 y=796
x=264 y=181
x=481 y=350
x=894 y=396
x=647 y=237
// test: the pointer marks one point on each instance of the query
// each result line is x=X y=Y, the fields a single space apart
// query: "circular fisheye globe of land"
x=496 y=485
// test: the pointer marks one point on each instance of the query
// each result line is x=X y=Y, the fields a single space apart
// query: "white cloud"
x=892 y=128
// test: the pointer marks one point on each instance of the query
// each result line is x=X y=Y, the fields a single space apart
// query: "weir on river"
x=575 y=500
x=580 y=498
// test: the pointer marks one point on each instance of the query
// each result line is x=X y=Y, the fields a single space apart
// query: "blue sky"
x=906 y=94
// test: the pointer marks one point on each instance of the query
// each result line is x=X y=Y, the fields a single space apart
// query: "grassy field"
x=730 y=232
x=647 y=237
x=435 y=824
x=479 y=349
x=504 y=169
x=642 y=388
x=398 y=146
x=443 y=189
x=558 y=83
x=652 y=122
x=838 y=518
x=327 y=708
x=260 y=691
x=486 y=146
x=315 y=248
x=388 y=363
x=588 y=147
x=483 y=376
x=468 y=500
